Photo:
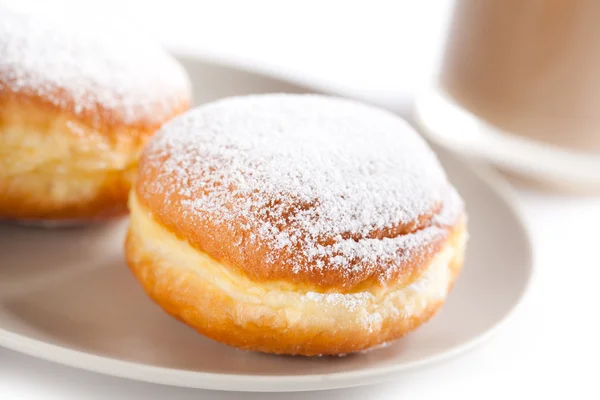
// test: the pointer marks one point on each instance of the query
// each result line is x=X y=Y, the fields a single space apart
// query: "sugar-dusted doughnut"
x=77 y=103
x=295 y=224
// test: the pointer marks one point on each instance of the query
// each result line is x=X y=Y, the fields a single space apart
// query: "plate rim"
x=284 y=383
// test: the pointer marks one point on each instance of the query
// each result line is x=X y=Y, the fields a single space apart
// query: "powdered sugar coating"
x=325 y=181
x=89 y=68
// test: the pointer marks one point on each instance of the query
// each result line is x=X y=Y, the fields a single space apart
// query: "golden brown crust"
x=212 y=312
x=55 y=165
x=267 y=186
x=223 y=242
x=108 y=121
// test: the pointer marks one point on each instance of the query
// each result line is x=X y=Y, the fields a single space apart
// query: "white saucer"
x=547 y=166
x=66 y=295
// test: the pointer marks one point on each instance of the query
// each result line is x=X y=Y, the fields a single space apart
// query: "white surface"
x=550 y=347
x=66 y=295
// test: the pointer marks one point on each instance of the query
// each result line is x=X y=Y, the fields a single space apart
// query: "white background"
x=381 y=52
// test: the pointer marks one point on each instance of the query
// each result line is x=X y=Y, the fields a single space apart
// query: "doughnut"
x=77 y=104
x=294 y=224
